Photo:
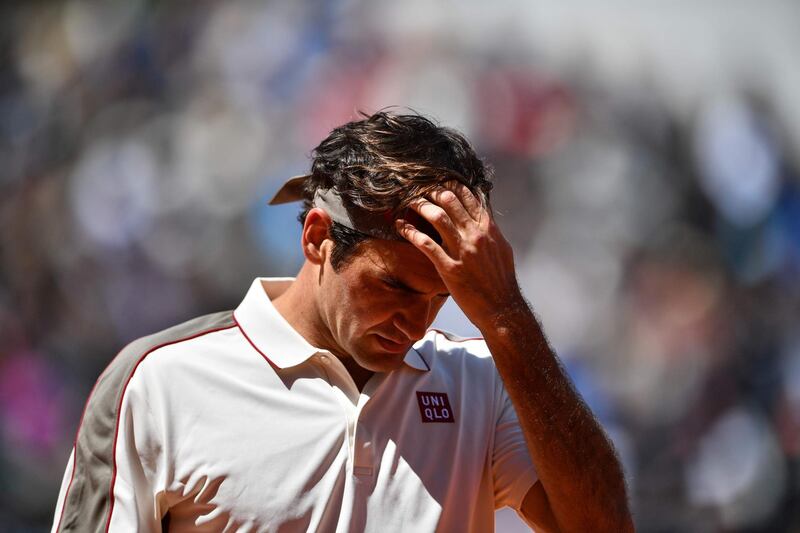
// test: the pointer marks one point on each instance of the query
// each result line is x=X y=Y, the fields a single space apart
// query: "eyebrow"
x=391 y=280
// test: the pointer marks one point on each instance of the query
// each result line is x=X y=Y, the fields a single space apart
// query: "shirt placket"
x=361 y=457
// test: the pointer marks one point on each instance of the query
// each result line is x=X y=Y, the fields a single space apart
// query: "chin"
x=381 y=362
x=386 y=346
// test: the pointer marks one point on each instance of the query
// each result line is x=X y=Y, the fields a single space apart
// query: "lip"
x=392 y=346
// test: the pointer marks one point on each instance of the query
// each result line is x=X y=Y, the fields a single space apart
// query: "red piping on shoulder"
x=116 y=429
x=447 y=333
x=119 y=408
x=270 y=363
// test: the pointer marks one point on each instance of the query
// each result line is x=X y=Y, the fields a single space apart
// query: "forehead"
x=400 y=260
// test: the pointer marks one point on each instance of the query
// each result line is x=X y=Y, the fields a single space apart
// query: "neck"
x=298 y=305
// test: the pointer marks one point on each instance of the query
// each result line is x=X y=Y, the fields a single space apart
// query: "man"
x=322 y=403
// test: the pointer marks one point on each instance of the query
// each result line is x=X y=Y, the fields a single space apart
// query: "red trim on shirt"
x=75 y=445
x=448 y=333
x=71 y=477
x=252 y=343
x=116 y=429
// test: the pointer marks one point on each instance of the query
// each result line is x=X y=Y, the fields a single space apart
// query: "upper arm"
x=137 y=460
x=108 y=480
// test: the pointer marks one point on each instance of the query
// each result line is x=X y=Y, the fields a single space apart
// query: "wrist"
x=508 y=315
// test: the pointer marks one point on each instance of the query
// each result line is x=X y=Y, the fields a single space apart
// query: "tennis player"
x=325 y=403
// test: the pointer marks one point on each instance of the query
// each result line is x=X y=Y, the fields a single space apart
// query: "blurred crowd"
x=658 y=242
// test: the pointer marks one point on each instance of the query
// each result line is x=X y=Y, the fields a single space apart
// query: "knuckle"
x=448 y=197
x=450 y=268
x=479 y=239
x=427 y=243
x=470 y=252
x=440 y=217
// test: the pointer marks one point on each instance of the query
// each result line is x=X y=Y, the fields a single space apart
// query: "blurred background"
x=646 y=159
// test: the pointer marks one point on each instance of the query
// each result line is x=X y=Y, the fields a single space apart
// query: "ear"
x=315 y=235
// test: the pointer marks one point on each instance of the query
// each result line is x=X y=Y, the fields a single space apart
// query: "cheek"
x=438 y=306
x=433 y=310
x=368 y=309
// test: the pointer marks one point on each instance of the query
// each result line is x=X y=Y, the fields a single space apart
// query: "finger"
x=424 y=243
x=452 y=205
x=473 y=205
x=439 y=219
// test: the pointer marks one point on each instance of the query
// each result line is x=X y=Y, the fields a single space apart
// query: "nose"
x=413 y=320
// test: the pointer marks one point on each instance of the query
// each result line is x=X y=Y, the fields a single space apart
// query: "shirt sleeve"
x=109 y=482
x=512 y=468
x=137 y=458
x=62 y=493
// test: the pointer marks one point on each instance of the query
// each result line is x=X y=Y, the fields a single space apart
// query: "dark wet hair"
x=383 y=162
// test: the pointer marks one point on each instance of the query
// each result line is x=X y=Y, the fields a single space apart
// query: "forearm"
x=577 y=466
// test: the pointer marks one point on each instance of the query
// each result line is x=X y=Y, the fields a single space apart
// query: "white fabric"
x=253 y=429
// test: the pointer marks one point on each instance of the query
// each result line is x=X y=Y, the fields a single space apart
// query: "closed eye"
x=396 y=284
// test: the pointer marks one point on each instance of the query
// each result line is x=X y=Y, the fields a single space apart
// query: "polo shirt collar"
x=271 y=334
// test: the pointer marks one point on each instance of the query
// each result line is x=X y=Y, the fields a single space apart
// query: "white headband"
x=373 y=224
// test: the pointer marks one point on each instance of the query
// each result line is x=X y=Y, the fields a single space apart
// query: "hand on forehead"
x=455 y=200
x=382 y=225
x=450 y=204
x=471 y=202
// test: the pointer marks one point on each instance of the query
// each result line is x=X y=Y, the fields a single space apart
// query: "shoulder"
x=445 y=343
x=95 y=446
x=115 y=378
x=99 y=424
x=180 y=335
x=448 y=351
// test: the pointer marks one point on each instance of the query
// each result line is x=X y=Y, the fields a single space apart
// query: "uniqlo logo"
x=434 y=407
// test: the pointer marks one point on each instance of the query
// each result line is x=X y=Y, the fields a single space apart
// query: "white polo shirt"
x=234 y=422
